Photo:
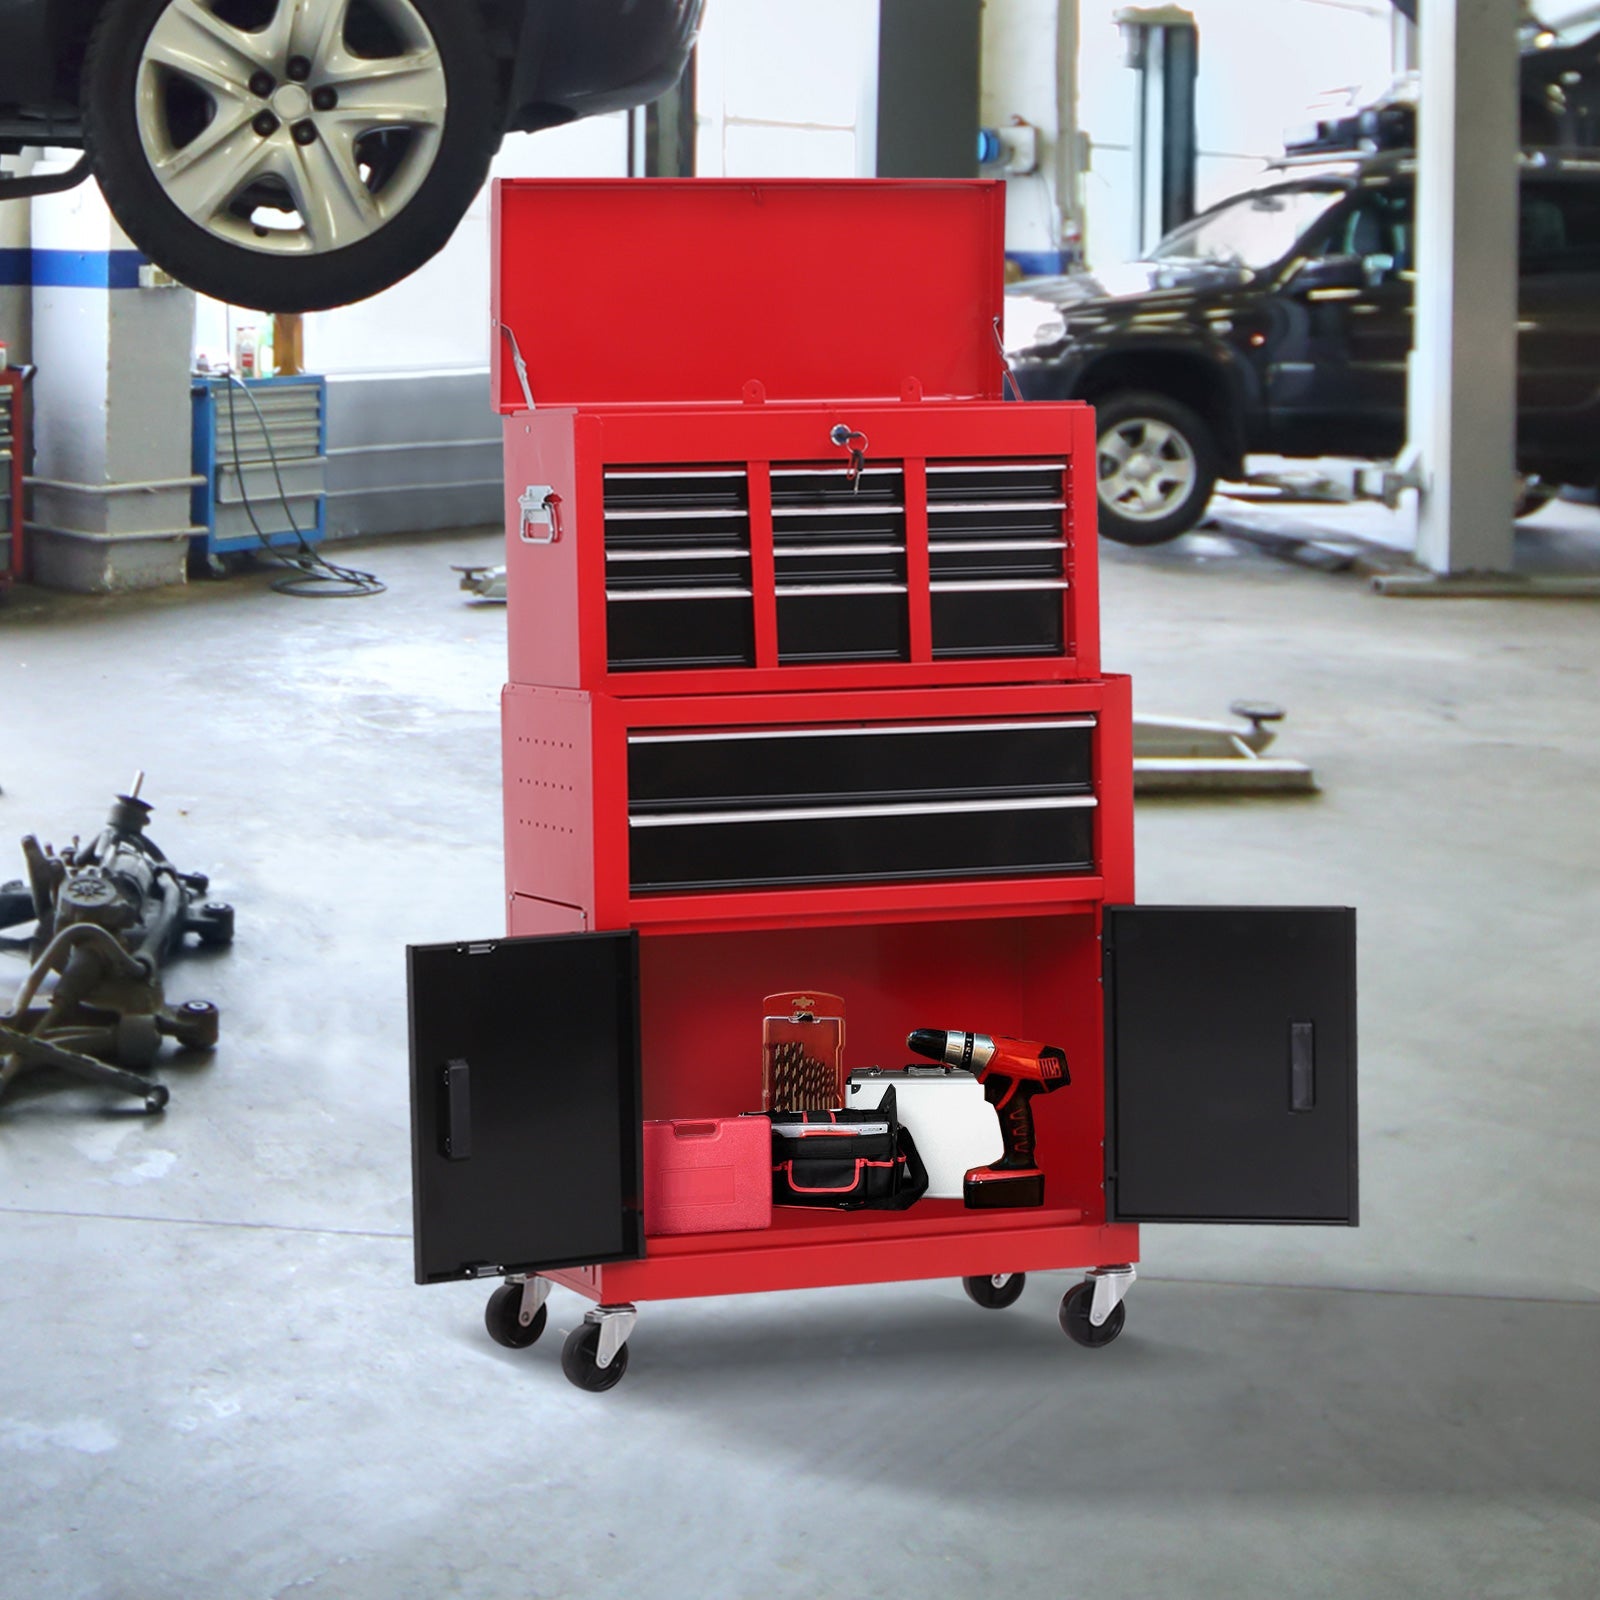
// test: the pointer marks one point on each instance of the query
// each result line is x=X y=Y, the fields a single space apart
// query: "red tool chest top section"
x=627 y=291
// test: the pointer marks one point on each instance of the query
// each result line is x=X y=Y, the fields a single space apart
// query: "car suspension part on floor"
x=107 y=917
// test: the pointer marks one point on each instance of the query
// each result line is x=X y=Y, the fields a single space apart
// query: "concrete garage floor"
x=217 y=1380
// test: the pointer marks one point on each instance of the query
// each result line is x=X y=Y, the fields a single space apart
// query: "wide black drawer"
x=785 y=846
x=723 y=768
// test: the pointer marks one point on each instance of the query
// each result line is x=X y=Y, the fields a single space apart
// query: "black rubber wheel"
x=580 y=1360
x=500 y=1318
x=427 y=186
x=1157 y=465
x=985 y=1292
x=1075 y=1323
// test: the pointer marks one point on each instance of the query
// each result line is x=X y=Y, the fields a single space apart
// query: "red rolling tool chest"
x=805 y=690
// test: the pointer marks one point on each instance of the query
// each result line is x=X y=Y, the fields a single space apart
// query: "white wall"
x=788 y=89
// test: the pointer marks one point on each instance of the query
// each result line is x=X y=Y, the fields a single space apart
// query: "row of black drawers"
x=678 y=567
x=724 y=809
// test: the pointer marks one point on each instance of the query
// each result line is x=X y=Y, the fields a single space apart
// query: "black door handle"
x=456 y=1127
x=1302 y=1066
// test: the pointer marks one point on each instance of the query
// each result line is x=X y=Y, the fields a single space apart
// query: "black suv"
x=1279 y=323
x=295 y=154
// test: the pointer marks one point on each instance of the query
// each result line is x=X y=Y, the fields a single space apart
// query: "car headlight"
x=1032 y=325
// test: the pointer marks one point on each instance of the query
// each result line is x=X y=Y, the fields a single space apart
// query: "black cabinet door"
x=525 y=1112
x=1230 y=1064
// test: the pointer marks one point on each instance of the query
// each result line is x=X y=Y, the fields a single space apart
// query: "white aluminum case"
x=955 y=1128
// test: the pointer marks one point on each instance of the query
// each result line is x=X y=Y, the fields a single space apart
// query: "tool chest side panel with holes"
x=703 y=551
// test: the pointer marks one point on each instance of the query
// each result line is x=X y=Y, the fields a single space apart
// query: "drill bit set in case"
x=805 y=680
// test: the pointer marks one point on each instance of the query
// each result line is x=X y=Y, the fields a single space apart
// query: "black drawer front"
x=645 y=635
x=632 y=489
x=998 y=622
x=804 y=488
x=842 y=627
x=675 y=772
x=717 y=853
x=984 y=482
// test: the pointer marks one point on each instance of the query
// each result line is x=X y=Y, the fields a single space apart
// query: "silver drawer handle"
x=921 y=808
x=996 y=466
x=677 y=514
x=827 y=508
x=940 y=508
x=724 y=553
x=677 y=474
x=678 y=594
x=977 y=545
x=999 y=586
x=838 y=550
x=870 y=732
x=790 y=591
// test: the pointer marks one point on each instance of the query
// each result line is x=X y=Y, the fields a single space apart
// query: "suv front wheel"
x=1157 y=466
x=290 y=155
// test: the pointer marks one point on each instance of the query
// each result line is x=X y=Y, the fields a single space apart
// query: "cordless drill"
x=1012 y=1072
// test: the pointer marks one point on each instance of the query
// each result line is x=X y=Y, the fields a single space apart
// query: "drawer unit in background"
x=696 y=552
x=752 y=808
x=261 y=445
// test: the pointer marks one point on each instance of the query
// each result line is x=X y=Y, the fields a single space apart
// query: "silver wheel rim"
x=282 y=138
x=1148 y=469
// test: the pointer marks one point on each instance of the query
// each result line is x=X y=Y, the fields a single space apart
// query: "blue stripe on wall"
x=71 y=269
x=86 y=269
x=1039 y=263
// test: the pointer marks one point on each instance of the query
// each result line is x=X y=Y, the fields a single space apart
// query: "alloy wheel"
x=1147 y=469
x=291 y=127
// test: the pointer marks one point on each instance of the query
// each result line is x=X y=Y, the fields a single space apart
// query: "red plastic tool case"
x=774 y=722
x=707 y=1177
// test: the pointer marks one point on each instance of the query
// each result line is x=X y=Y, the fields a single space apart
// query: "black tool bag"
x=852 y=1159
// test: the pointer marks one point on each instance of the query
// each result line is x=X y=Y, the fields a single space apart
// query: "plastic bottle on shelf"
x=246 y=353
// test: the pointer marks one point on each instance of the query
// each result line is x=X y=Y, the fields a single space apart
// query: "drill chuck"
x=972 y=1052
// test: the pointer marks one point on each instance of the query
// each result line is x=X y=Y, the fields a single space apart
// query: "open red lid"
x=627 y=291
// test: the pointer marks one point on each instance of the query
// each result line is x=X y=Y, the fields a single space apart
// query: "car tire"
x=1156 y=465
x=308 y=222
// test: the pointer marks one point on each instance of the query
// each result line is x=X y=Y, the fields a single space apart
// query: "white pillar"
x=16 y=297
x=111 y=498
x=1463 y=379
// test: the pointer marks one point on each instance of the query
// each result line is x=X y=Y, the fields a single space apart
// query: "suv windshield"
x=1254 y=231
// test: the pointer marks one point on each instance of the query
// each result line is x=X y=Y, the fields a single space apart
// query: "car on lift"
x=292 y=155
x=1280 y=323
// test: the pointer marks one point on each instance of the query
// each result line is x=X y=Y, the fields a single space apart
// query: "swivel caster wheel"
x=580 y=1360
x=997 y=1291
x=1076 y=1304
x=502 y=1316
